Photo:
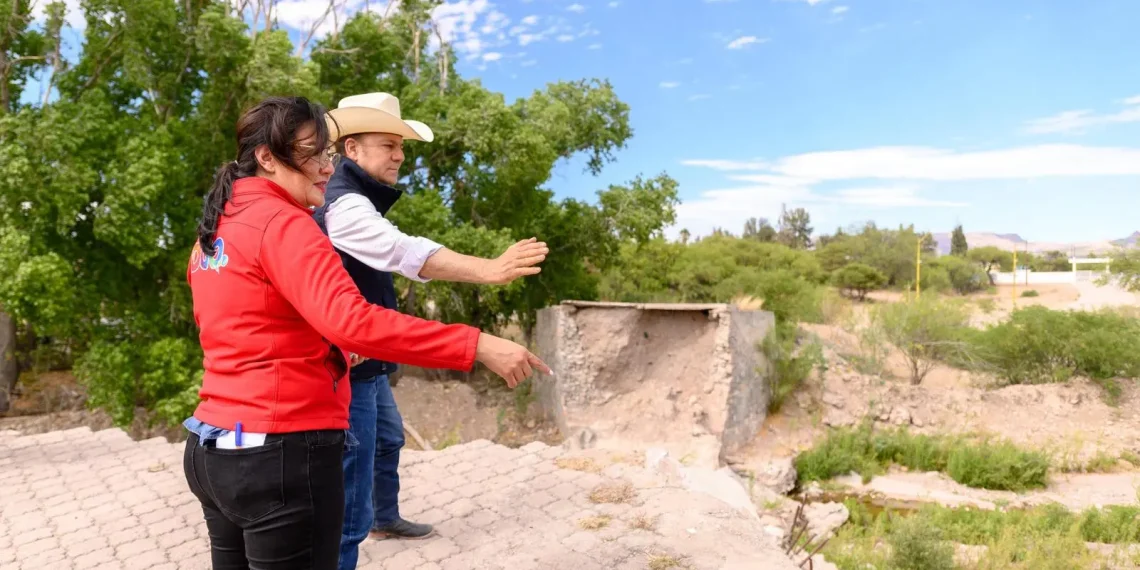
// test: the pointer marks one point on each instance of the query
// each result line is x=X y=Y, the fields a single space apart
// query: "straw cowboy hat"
x=374 y=113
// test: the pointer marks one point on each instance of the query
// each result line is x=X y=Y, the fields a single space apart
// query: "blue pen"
x=237 y=434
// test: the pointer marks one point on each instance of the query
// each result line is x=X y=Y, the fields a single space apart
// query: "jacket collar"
x=352 y=176
x=252 y=185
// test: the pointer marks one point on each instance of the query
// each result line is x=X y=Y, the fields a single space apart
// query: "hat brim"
x=355 y=120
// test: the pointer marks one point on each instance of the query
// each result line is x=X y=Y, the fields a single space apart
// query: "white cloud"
x=924 y=163
x=699 y=97
x=566 y=38
x=595 y=46
x=529 y=63
x=889 y=197
x=456 y=21
x=492 y=56
x=614 y=4
x=530 y=20
x=718 y=164
x=668 y=84
x=577 y=8
x=1078 y=121
x=794 y=179
x=839 y=10
x=742 y=41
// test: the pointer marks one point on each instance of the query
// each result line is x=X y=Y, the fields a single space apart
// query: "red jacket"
x=273 y=304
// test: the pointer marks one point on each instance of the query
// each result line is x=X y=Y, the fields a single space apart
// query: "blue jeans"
x=371 y=480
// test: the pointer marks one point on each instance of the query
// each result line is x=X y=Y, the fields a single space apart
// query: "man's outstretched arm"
x=356 y=228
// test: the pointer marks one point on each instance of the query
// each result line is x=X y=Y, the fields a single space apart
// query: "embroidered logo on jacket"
x=199 y=260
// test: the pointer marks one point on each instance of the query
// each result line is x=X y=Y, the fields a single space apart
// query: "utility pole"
x=1013 y=292
x=918 y=269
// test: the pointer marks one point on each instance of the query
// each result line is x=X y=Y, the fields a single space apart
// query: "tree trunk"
x=9 y=370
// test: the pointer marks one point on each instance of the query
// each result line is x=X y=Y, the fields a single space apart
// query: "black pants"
x=273 y=507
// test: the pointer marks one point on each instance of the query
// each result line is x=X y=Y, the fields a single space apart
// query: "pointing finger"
x=538 y=363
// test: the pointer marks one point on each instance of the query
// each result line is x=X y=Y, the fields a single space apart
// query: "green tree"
x=958 y=244
x=859 y=279
x=964 y=276
x=759 y=229
x=991 y=259
x=795 y=228
x=926 y=331
x=1125 y=267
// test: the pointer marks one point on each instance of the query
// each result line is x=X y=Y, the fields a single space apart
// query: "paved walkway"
x=77 y=499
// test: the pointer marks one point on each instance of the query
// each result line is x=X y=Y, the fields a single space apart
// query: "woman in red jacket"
x=275 y=308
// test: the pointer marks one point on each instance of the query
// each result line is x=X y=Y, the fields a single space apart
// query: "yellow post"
x=918 y=269
x=1013 y=292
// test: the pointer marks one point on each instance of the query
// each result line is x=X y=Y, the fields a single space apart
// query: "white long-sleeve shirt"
x=358 y=229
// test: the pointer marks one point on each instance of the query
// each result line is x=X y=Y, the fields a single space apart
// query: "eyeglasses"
x=323 y=158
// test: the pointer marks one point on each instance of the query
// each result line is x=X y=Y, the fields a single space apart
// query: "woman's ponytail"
x=215 y=204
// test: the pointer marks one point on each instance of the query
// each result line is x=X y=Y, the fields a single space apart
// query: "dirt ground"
x=1070 y=419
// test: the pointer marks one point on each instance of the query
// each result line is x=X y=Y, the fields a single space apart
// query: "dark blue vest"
x=376 y=286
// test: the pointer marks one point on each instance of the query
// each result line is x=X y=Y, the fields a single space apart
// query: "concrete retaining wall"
x=687 y=377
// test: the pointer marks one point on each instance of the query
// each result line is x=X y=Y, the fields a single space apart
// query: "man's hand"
x=507 y=359
x=519 y=260
x=354 y=359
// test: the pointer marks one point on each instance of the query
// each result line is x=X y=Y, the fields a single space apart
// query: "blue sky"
x=1014 y=116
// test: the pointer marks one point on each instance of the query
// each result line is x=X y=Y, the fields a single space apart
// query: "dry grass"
x=578 y=464
x=663 y=562
x=613 y=493
x=594 y=523
x=748 y=303
x=643 y=522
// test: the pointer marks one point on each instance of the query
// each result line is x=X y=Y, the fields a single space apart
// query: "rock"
x=584 y=438
x=658 y=461
x=813 y=491
x=825 y=518
x=778 y=475
x=834 y=400
x=530 y=423
x=818 y=562
x=838 y=418
x=900 y=416
x=884 y=415
x=803 y=400
x=722 y=484
x=1075 y=399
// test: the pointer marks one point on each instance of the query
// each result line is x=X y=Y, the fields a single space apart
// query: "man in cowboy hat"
x=370 y=140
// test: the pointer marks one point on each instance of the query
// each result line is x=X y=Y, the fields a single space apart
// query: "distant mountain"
x=1130 y=241
x=1010 y=241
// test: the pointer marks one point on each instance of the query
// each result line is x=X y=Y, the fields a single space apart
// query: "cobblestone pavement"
x=79 y=499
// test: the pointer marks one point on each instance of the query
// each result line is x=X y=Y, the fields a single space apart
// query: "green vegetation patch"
x=1046 y=537
x=980 y=463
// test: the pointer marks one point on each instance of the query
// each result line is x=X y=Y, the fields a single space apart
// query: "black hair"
x=273 y=122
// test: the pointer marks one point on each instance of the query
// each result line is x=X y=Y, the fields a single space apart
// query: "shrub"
x=163 y=376
x=1030 y=293
x=963 y=276
x=982 y=464
x=1037 y=345
x=792 y=360
x=1000 y=466
x=1036 y=538
x=926 y=330
x=859 y=279
x=916 y=544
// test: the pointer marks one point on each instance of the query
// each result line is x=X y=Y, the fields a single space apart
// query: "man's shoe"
x=401 y=528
